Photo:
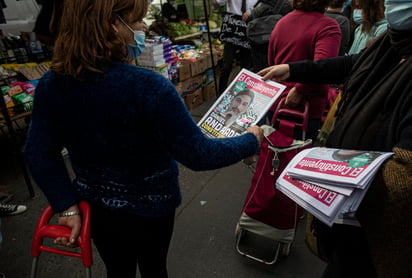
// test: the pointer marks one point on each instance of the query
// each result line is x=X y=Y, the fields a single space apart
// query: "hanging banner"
x=233 y=31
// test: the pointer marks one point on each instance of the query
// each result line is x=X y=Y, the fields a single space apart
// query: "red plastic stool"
x=44 y=230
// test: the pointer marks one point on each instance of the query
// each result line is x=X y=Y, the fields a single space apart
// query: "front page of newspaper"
x=339 y=167
x=315 y=177
x=242 y=104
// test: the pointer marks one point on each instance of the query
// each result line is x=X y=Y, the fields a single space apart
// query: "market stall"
x=15 y=109
x=195 y=47
x=186 y=52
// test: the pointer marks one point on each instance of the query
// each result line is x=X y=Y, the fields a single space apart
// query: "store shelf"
x=188 y=36
x=15 y=142
x=15 y=118
x=215 y=30
x=195 y=35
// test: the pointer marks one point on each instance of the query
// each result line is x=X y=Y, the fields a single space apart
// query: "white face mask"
x=398 y=13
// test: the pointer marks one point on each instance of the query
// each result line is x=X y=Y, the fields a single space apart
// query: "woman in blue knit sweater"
x=112 y=116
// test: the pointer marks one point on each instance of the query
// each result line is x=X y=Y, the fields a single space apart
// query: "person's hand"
x=257 y=131
x=293 y=98
x=245 y=16
x=74 y=222
x=276 y=73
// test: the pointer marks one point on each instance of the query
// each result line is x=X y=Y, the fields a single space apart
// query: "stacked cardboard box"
x=194 y=99
x=183 y=70
x=191 y=84
x=195 y=84
x=193 y=67
x=209 y=91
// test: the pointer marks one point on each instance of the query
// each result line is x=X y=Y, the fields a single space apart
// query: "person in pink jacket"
x=305 y=34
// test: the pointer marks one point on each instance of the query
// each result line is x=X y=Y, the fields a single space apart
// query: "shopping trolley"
x=267 y=213
x=45 y=230
x=290 y=121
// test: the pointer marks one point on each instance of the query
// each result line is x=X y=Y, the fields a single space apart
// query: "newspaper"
x=244 y=103
x=321 y=202
x=337 y=167
x=330 y=183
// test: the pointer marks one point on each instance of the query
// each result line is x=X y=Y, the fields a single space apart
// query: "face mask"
x=357 y=16
x=134 y=50
x=398 y=13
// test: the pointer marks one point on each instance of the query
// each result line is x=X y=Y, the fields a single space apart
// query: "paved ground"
x=203 y=244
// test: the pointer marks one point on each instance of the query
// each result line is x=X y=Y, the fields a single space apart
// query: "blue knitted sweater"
x=125 y=131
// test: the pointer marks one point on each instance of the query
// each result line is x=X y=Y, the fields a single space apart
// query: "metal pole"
x=15 y=145
x=210 y=44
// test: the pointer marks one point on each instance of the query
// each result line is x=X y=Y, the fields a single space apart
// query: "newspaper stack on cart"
x=263 y=94
x=330 y=183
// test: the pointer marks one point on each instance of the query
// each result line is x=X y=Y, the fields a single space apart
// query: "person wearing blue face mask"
x=135 y=48
x=357 y=16
x=398 y=13
x=109 y=114
x=375 y=114
x=370 y=18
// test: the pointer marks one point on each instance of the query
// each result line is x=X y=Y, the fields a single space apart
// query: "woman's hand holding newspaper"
x=276 y=73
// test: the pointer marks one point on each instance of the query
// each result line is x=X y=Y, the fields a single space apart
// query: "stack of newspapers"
x=330 y=183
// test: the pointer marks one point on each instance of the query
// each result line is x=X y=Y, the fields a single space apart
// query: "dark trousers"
x=230 y=53
x=346 y=249
x=126 y=241
x=259 y=54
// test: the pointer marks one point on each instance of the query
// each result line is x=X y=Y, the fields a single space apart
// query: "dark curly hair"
x=311 y=5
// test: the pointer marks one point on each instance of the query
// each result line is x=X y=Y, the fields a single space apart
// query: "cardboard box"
x=194 y=99
x=198 y=66
x=203 y=64
x=215 y=58
x=183 y=70
x=191 y=84
x=209 y=91
x=208 y=58
x=194 y=67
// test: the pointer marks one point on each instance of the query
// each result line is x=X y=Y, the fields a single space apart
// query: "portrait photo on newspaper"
x=244 y=103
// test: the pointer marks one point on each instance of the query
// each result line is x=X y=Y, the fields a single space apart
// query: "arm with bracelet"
x=71 y=218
